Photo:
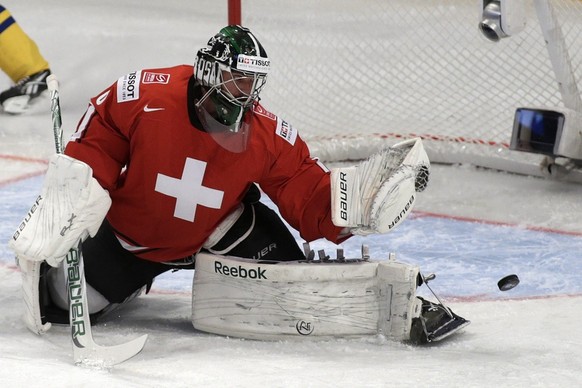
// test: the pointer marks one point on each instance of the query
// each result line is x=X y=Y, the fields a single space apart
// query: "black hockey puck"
x=508 y=282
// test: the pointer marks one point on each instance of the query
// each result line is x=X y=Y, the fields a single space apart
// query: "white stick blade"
x=94 y=355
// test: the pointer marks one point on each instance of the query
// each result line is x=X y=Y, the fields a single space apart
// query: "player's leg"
x=22 y=61
x=113 y=276
x=254 y=231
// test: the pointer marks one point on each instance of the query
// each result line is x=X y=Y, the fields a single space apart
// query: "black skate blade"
x=451 y=327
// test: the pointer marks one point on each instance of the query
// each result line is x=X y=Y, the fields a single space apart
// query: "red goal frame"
x=234 y=12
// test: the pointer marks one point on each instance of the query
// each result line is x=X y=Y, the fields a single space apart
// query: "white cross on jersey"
x=188 y=190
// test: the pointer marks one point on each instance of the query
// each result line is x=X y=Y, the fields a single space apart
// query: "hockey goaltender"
x=163 y=172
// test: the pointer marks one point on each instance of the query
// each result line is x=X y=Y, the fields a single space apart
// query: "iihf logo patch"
x=155 y=78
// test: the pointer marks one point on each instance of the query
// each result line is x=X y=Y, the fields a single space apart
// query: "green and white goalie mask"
x=232 y=71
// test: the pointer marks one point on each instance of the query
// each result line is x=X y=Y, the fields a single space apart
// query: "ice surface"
x=471 y=227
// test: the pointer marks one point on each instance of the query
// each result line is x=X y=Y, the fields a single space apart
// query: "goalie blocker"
x=336 y=298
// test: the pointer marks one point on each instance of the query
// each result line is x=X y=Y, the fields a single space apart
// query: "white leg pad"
x=242 y=298
x=30 y=271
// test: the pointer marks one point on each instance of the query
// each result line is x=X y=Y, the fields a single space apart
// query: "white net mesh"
x=355 y=74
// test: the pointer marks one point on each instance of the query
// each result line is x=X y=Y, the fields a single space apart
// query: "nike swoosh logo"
x=102 y=98
x=148 y=109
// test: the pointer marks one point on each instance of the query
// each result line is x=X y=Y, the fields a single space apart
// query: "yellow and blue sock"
x=19 y=55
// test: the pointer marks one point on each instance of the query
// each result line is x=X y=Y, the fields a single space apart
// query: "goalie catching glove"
x=378 y=195
x=71 y=207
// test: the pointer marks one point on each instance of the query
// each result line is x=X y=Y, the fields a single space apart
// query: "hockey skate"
x=18 y=98
x=436 y=322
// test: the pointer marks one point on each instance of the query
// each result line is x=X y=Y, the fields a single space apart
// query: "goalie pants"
x=117 y=273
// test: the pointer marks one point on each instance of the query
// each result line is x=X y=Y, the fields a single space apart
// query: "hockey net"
x=355 y=75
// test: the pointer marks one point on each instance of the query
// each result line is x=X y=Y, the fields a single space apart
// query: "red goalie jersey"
x=171 y=183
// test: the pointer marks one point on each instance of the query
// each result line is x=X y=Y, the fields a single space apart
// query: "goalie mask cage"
x=356 y=75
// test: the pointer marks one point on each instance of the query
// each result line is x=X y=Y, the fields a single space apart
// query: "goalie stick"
x=85 y=350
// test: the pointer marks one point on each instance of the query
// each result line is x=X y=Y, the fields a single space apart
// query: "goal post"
x=234 y=12
x=354 y=76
